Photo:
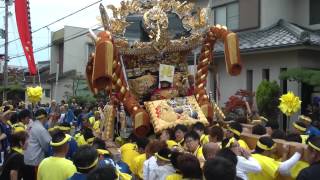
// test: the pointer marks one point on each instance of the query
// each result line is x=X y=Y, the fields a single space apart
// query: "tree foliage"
x=267 y=97
x=307 y=76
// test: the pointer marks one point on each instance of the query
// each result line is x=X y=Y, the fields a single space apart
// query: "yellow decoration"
x=289 y=104
x=162 y=118
x=34 y=94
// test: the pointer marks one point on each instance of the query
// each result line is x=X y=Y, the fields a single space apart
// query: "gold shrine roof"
x=156 y=20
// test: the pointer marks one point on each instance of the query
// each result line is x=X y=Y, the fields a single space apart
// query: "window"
x=91 y=49
x=284 y=83
x=314 y=12
x=266 y=74
x=284 y=89
x=61 y=52
x=249 y=80
x=47 y=93
x=227 y=15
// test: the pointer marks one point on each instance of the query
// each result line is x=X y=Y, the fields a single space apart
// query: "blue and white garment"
x=121 y=166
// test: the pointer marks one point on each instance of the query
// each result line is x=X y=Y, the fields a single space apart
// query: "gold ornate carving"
x=156 y=24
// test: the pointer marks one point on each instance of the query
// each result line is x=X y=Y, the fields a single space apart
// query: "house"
x=71 y=47
x=274 y=36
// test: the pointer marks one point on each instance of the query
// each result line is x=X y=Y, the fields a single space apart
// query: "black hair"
x=6 y=108
x=57 y=137
x=18 y=137
x=40 y=112
x=198 y=126
x=132 y=137
x=228 y=154
x=299 y=123
x=273 y=124
x=142 y=142
x=83 y=157
x=189 y=166
x=216 y=131
x=315 y=140
x=181 y=127
x=14 y=118
x=98 y=143
x=224 y=142
x=87 y=133
x=165 y=152
x=265 y=140
x=219 y=168
x=23 y=114
x=106 y=173
x=174 y=159
x=193 y=135
x=278 y=134
x=65 y=124
x=237 y=126
x=294 y=137
x=259 y=129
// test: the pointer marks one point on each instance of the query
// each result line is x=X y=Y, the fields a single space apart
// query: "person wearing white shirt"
x=245 y=164
x=158 y=166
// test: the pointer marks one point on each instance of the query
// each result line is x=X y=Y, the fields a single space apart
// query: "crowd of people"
x=61 y=142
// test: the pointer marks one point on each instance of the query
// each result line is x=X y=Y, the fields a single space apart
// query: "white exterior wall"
x=75 y=55
x=273 y=10
x=302 y=15
x=296 y=11
x=62 y=89
x=54 y=59
x=228 y=85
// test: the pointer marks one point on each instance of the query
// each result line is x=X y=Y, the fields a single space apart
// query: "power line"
x=74 y=36
x=73 y=13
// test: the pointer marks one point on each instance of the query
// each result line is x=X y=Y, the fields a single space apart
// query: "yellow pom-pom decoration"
x=289 y=104
x=34 y=94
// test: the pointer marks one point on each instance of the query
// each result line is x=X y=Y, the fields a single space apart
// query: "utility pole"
x=6 y=59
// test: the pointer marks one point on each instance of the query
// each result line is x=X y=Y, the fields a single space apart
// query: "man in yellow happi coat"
x=271 y=167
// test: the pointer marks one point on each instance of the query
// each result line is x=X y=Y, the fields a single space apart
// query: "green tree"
x=308 y=76
x=267 y=97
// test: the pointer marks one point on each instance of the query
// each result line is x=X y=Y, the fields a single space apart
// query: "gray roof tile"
x=281 y=34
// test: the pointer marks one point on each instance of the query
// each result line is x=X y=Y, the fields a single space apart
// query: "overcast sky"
x=44 y=12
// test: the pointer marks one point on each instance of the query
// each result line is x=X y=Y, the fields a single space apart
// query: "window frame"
x=312 y=21
x=214 y=8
